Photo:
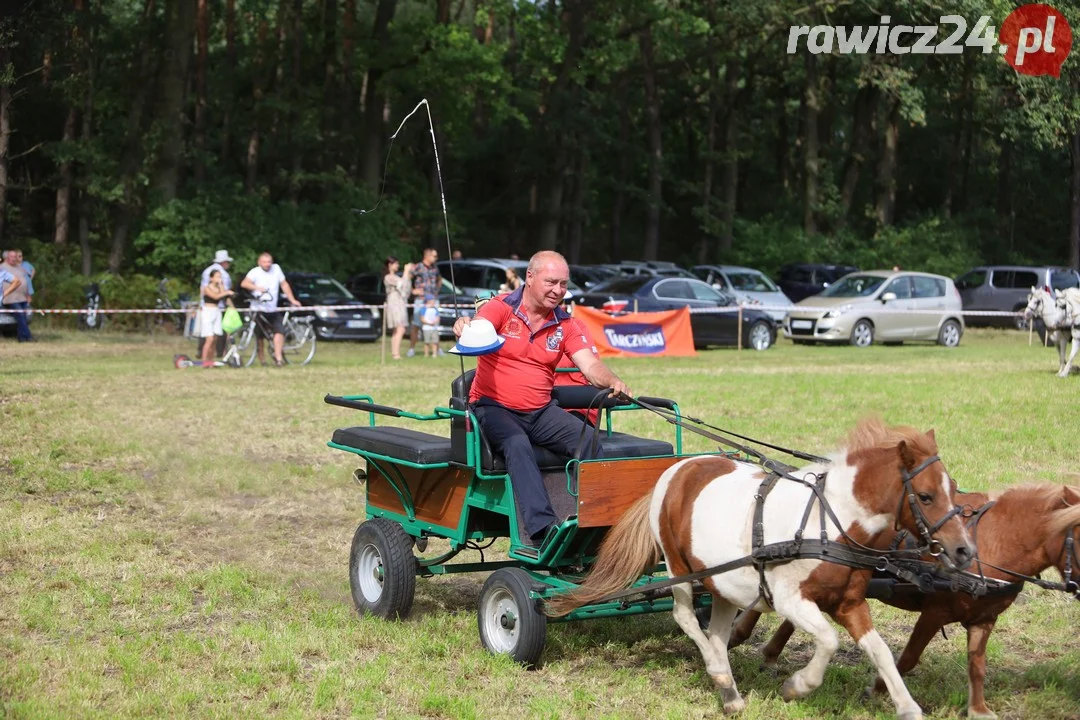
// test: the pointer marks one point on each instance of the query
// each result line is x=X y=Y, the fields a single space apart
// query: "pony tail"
x=626 y=553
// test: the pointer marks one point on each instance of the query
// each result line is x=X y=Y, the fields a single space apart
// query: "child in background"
x=430 y=326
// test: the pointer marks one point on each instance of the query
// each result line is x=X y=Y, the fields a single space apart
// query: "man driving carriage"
x=511 y=393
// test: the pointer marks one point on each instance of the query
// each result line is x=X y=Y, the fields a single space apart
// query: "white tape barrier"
x=876 y=311
x=382 y=308
x=183 y=311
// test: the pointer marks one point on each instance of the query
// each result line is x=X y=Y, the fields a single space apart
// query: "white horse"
x=1058 y=322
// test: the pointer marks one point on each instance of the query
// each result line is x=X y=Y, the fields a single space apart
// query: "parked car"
x=318 y=289
x=861 y=309
x=800 y=280
x=589 y=276
x=747 y=285
x=368 y=287
x=1006 y=287
x=653 y=268
x=646 y=293
x=484 y=276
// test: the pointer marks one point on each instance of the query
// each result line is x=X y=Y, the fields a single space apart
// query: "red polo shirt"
x=521 y=373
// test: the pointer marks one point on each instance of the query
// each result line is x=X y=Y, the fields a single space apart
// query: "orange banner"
x=639 y=334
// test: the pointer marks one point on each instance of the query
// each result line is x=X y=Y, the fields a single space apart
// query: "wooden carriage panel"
x=607 y=489
x=439 y=493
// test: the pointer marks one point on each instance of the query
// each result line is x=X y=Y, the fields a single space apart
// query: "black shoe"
x=537 y=540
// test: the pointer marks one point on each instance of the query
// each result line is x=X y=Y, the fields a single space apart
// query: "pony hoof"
x=910 y=715
x=987 y=715
x=790 y=691
x=736 y=705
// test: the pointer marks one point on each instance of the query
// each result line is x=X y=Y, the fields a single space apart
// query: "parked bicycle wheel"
x=299 y=341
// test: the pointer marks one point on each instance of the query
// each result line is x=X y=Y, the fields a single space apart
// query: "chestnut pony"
x=1026 y=530
x=699 y=516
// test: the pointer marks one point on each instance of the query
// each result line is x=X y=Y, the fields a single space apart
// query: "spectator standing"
x=431 y=326
x=15 y=296
x=266 y=281
x=222 y=261
x=30 y=272
x=213 y=294
x=397 y=309
x=426 y=281
x=513 y=282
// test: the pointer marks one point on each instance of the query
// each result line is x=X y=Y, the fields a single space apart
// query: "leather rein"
x=903 y=563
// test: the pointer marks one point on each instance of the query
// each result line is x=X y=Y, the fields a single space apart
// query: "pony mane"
x=872 y=433
x=1065 y=518
x=1047 y=499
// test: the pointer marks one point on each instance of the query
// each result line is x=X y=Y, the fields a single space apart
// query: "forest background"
x=138 y=136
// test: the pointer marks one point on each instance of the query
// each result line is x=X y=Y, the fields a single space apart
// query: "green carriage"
x=421 y=485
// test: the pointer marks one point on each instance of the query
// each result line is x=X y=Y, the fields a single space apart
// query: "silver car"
x=746 y=285
x=865 y=307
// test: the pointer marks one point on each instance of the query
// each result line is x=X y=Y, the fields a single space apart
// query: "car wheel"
x=862 y=335
x=760 y=336
x=949 y=334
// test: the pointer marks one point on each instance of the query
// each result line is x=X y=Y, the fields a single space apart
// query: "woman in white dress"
x=210 y=315
x=397 y=313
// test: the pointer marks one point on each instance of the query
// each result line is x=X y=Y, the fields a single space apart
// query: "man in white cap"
x=222 y=261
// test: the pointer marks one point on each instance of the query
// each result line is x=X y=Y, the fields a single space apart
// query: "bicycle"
x=92 y=319
x=299 y=336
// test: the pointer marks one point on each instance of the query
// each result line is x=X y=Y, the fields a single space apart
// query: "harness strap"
x=758 y=535
x=783 y=552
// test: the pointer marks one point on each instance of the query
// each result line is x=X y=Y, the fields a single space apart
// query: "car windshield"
x=319 y=289
x=751 y=282
x=854 y=286
x=627 y=285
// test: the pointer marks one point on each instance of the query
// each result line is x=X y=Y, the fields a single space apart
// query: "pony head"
x=1038 y=298
x=900 y=473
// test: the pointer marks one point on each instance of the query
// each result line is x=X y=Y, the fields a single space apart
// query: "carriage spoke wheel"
x=382 y=569
x=510 y=621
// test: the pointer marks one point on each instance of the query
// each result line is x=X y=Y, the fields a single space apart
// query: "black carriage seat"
x=615 y=445
x=398 y=443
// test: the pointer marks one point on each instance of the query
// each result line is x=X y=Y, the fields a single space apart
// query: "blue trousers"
x=22 y=320
x=512 y=434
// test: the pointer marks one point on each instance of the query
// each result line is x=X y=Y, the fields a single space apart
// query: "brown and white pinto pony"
x=700 y=513
x=1024 y=531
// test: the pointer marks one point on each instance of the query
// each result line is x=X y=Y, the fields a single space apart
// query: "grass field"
x=175 y=542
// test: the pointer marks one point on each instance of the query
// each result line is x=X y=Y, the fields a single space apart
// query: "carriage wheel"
x=510 y=621
x=382 y=569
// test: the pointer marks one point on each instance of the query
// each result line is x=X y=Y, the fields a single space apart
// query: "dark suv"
x=1005 y=288
x=318 y=289
x=801 y=280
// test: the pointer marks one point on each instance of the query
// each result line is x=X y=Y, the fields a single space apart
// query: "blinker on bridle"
x=922 y=523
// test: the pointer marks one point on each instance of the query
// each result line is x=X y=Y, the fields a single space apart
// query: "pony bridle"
x=1070 y=552
x=922 y=523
